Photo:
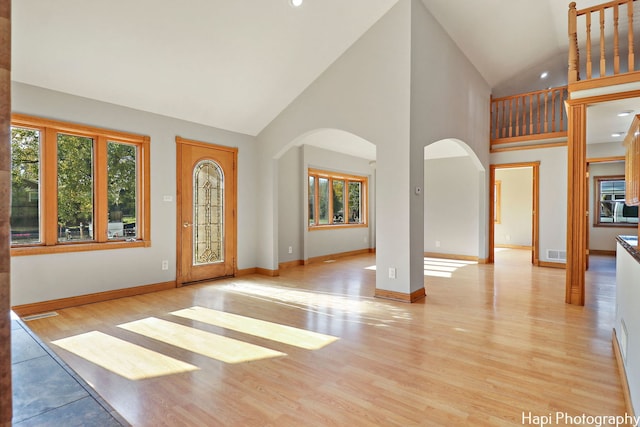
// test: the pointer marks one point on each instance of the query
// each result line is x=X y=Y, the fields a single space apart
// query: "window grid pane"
x=75 y=188
x=355 y=202
x=25 y=186
x=312 y=200
x=122 y=191
x=323 y=201
x=612 y=203
x=338 y=201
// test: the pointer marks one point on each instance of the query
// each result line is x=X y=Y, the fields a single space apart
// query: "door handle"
x=186 y=224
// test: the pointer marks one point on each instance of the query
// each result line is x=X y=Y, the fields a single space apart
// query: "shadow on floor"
x=46 y=392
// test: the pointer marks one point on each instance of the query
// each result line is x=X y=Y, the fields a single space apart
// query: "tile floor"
x=47 y=393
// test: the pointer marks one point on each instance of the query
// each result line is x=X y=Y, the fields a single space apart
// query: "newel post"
x=573 y=44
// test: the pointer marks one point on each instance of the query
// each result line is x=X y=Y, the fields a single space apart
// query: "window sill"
x=617 y=224
x=335 y=226
x=77 y=247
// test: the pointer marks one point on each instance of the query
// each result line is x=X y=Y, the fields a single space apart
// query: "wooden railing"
x=613 y=54
x=530 y=116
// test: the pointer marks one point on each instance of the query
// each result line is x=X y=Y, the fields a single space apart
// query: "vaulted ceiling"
x=237 y=64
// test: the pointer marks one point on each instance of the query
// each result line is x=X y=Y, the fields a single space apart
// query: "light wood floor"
x=487 y=344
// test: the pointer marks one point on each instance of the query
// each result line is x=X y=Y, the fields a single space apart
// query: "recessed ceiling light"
x=295 y=3
x=625 y=113
x=617 y=134
x=544 y=75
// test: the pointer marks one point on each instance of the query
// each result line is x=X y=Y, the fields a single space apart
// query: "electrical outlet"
x=392 y=273
x=437 y=243
x=165 y=264
x=290 y=249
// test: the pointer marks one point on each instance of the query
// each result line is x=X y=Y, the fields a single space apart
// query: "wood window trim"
x=596 y=203
x=49 y=129
x=497 y=201
x=364 y=203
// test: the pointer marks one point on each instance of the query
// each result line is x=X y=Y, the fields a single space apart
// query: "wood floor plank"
x=485 y=346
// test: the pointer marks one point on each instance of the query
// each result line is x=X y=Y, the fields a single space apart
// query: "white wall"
x=449 y=97
x=291 y=206
x=449 y=100
x=606 y=149
x=451 y=199
x=516 y=207
x=365 y=92
x=553 y=193
x=627 y=301
x=604 y=238
x=46 y=277
x=402 y=86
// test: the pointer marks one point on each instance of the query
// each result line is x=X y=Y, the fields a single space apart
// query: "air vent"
x=557 y=254
x=40 y=316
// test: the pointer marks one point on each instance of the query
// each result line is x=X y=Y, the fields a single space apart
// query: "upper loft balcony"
x=601 y=60
x=529 y=118
x=602 y=44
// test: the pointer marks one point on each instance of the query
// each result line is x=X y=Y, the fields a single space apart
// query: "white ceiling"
x=603 y=120
x=236 y=64
x=231 y=64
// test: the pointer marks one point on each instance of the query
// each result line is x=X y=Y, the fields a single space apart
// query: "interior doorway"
x=609 y=216
x=206 y=206
x=513 y=219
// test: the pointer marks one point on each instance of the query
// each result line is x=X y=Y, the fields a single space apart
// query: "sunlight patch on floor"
x=348 y=308
x=441 y=267
x=121 y=357
x=217 y=347
x=247 y=325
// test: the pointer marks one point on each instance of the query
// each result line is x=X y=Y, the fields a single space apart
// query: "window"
x=336 y=199
x=76 y=188
x=610 y=207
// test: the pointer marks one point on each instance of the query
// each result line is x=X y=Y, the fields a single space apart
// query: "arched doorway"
x=455 y=197
x=349 y=161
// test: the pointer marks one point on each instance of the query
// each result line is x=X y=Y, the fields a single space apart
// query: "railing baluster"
x=553 y=111
x=493 y=119
x=539 y=118
x=510 y=117
x=563 y=97
x=574 y=75
x=516 y=128
x=546 y=115
x=603 y=61
x=631 y=65
x=504 y=118
x=517 y=116
x=530 y=114
x=616 y=50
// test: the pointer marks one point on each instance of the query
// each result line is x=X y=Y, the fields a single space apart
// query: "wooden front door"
x=206 y=202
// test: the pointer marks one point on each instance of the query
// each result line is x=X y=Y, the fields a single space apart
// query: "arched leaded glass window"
x=208 y=210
